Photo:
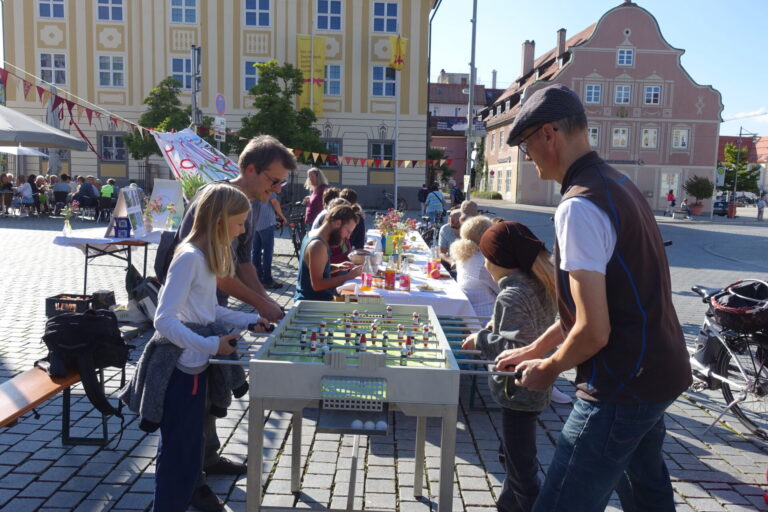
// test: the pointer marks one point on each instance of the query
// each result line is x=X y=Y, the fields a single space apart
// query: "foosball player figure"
x=385 y=340
x=374 y=328
x=409 y=343
x=389 y=312
x=425 y=338
x=355 y=315
x=357 y=341
x=416 y=320
x=403 y=356
x=400 y=333
x=347 y=330
x=313 y=341
x=363 y=343
x=304 y=338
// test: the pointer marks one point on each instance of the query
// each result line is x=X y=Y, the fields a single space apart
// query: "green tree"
x=748 y=174
x=276 y=115
x=444 y=171
x=164 y=114
x=228 y=146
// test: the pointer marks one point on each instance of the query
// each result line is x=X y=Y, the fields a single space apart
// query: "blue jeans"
x=603 y=447
x=263 y=247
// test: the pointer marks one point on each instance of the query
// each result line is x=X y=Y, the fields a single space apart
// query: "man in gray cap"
x=617 y=324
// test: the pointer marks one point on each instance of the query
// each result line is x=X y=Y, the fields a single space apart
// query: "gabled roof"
x=546 y=67
x=451 y=94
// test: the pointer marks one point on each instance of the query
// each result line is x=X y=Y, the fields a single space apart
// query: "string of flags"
x=76 y=112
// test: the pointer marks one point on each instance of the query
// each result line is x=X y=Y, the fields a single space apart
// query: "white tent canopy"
x=22 y=151
x=17 y=128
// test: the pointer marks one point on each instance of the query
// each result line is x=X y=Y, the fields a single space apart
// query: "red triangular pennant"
x=57 y=100
x=448 y=162
x=70 y=105
x=40 y=92
x=89 y=115
x=114 y=122
x=377 y=163
x=399 y=163
x=347 y=159
x=297 y=152
x=4 y=77
x=27 y=87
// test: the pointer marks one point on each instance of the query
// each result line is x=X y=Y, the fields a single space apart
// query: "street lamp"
x=739 y=141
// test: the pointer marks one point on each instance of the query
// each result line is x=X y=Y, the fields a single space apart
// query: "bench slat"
x=25 y=391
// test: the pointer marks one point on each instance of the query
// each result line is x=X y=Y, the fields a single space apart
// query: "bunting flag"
x=315 y=157
x=398 y=47
x=324 y=158
x=347 y=160
x=57 y=100
x=40 y=91
x=4 y=78
x=89 y=115
x=27 y=87
x=83 y=136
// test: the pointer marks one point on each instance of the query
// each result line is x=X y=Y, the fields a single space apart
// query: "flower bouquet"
x=67 y=212
x=394 y=228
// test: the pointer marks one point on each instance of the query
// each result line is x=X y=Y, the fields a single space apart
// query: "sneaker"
x=274 y=285
x=559 y=397
x=224 y=466
x=203 y=498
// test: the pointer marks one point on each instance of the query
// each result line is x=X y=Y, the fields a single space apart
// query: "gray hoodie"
x=522 y=312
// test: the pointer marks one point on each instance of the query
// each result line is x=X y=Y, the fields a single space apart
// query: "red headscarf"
x=510 y=244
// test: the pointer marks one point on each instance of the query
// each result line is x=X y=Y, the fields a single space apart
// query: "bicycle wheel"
x=752 y=356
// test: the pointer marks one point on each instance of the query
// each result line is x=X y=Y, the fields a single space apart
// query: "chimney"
x=560 y=42
x=493 y=80
x=528 y=49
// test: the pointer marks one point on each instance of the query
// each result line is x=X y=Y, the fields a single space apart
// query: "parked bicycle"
x=732 y=351
x=295 y=216
x=387 y=201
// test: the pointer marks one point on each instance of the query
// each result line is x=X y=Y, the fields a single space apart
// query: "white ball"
x=369 y=425
x=357 y=424
x=381 y=425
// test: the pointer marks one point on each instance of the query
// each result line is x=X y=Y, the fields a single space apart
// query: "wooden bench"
x=27 y=390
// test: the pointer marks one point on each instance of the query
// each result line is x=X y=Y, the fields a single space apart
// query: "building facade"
x=112 y=52
x=647 y=116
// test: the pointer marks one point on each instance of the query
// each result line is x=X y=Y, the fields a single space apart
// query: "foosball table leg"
x=296 y=454
x=447 y=454
x=353 y=474
x=255 y=454
x=418 y=475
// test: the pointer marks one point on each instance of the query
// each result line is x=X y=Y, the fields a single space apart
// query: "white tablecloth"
x=95 y=238
x=447 y=299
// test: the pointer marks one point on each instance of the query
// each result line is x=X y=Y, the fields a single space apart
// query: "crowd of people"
x=47 y=194
x=599 y=303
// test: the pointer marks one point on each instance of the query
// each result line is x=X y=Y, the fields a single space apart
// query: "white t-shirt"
x=189 y=295
x=585 y=235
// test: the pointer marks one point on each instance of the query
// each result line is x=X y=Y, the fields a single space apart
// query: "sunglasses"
x=276 y=182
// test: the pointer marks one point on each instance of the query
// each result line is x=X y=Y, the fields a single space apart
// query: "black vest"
x=646 y=359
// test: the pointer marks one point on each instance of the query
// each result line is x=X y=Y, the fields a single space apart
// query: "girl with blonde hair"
x=471 y=275
x=524 y=309
x=173 y=376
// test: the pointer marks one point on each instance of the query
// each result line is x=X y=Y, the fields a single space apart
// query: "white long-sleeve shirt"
x=477 y=284
x=189 y=295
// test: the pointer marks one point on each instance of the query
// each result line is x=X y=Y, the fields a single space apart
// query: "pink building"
x=647 y=117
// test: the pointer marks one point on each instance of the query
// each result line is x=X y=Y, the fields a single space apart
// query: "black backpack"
x=422 y=195
x=85 y=342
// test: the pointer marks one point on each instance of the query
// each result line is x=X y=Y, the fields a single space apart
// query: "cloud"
x=760 y=112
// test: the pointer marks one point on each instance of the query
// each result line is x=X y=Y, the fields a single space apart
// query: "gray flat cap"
x=544 y=106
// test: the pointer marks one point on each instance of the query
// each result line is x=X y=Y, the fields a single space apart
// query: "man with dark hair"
x=329 y=195
x=617 y=323
x=87 y=195
x=264 y=167
x=316 y=280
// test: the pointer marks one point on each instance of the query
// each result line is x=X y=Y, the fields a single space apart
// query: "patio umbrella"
x=17 y=128
x=21 y=150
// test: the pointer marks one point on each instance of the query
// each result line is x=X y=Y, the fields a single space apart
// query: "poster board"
x=128 y=205
x=166 y=193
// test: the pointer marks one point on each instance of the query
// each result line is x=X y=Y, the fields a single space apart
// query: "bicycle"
x=387 y=201
x=295 y=218
x=732 y=355
x=429 y=228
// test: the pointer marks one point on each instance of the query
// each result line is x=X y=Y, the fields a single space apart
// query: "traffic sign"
x=221 y=104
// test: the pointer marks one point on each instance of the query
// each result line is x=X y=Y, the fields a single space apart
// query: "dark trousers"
x=263 y=248
x=180 y=452
x=211 y=444
x=521 y=487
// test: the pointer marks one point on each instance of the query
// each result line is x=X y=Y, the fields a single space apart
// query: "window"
x=680 y=138
x=623 y=94
x=50 y=8
x=109 y=10
x=501 y=140
x=183 y=11
x=594 y=136
x=181 y=70
x=329 y=14
x=111 y=71
x=625 y=57
x=251 y=75
x=257 y=13
x=593 y=93
x=620 y=137
x=385 y=17
x=508 y=184
x=493 y=143
x=650 y=136
x=382 y=151
x=383 y=81
x=332 y=84
x=334 y=148
x=53 y=68
x=113 y=148
x=653 y=95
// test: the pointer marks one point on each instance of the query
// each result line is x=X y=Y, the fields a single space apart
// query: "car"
x=720 y=208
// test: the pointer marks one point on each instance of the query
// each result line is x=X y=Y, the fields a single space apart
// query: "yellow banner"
x=398 y=48
x=310 y=59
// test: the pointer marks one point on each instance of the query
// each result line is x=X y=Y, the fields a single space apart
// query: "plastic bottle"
x=390 y=276
x=405 y=277
x=367 y=275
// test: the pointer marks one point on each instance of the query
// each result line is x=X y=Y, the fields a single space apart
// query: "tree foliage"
x=164 y=114
x=699 y=187
x=435 y=171
x=748 y=174
x=274 y=101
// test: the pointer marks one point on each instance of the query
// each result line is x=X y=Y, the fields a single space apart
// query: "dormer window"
x=625 y=57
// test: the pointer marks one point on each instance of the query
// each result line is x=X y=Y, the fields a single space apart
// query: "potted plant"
x=700 y=188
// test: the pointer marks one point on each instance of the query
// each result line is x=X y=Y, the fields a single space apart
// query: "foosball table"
x=355 y=363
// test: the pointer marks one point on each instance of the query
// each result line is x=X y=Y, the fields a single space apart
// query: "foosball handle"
x=233 y=342
x=517 y=374
x=271 y=328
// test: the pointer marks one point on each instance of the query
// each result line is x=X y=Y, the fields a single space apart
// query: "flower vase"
x=147 y=224
x=169 y=223
x=389 y=245
x=67 y=229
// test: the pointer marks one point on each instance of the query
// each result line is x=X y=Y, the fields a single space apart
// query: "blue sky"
x=724 y=43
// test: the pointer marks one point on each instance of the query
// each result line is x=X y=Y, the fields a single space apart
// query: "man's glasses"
x=276 y=182
x=523 y=145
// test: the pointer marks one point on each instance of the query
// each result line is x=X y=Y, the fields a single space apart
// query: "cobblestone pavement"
x=723 y=470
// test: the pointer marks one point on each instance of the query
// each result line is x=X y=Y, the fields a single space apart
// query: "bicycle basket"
x=742 y=306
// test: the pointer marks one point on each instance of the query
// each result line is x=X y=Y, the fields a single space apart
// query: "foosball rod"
x=319 y=313
x=318 y=353
x=486 y=372
x=368 y=345
x=416 y=338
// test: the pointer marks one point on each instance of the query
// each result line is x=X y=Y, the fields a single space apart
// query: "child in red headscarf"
x=524 y=309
